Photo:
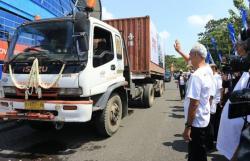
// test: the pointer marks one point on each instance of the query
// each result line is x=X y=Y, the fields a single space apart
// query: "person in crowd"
x=216 y=106
x=226 y=87
x=215 y=110
x=181 y=80
x=230 y=129
x=197 y=102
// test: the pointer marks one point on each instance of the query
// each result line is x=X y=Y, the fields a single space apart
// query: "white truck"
x=71 y=69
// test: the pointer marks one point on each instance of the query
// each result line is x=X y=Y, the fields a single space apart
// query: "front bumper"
x=52 y=110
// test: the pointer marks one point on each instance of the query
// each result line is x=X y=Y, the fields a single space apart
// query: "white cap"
x=200 y=49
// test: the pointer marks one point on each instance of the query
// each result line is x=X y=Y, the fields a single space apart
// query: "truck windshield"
x=45 y=41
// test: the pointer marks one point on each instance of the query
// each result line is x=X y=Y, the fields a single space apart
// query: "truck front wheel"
x=149 y=95
x=109 y=120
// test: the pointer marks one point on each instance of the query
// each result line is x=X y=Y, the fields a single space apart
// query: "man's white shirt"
x=217 y=96
x=182 y=81
x=200 y=87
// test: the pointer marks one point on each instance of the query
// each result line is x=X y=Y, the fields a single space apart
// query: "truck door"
x=104 y=62
x=119 y=56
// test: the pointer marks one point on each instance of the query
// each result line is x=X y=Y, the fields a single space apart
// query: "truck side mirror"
x=8 y=38
x=82 y=42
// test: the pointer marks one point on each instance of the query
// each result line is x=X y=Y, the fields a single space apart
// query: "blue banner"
x=209 y=58
x=220 y=55
x=244 y=13
x=214 y=43
x=232 y=34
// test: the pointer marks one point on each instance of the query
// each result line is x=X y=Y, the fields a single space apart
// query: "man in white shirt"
x=216 y=108
x=182 y=85
x=214 y=113
x=197 y=103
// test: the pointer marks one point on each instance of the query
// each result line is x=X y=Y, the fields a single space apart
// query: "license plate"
x=34 y=105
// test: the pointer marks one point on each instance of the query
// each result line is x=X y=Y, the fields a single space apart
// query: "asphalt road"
x=152 y=134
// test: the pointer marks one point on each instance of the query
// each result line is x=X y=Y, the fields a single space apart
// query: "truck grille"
x=53 y=92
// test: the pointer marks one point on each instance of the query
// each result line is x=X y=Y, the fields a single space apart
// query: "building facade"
x=15 y=12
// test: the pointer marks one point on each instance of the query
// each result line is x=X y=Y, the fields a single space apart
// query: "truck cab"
x=67 y=69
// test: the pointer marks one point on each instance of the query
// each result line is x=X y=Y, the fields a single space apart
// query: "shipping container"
x=144 y=45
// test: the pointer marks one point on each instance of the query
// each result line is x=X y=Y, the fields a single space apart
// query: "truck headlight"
x=9 y=90
x=70 y=91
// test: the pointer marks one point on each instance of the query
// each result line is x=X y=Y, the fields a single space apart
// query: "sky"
x=174 y=19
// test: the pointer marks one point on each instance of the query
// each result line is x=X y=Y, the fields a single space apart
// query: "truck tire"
x=149 y=95
x=108 y=122
x=161 y=88
x=159 y=93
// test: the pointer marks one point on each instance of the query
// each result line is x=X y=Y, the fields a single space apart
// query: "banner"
x=214 y=43
x=244 y=13
x=209 y=58
x=220 y=55
x=232 y=35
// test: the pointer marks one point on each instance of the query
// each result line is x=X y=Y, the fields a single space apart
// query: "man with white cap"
x=197 y=102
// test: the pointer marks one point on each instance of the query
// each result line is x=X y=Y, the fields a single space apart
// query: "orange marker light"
x=69 y=107
x=91 y=4
x=37 y=17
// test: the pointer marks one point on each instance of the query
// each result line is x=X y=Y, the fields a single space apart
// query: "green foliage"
x=218 y=30
x=179 y=63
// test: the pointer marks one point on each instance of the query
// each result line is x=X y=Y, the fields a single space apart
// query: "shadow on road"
x=177 y=107
x=136 y=105
x=182 y=146
x=177 y=145
x=172 y=100
x=178 y=110
x=27 y=144
x=177 y=116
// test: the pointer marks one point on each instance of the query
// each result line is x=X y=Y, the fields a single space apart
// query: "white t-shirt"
x=230 y=129
x=182 y=81
x=218 y=80
x=218 y=86
x=200 y=88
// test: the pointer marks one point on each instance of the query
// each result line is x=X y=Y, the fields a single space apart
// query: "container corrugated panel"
x=136 y=33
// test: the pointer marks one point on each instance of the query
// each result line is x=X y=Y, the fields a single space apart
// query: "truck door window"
x=102 y=47
x=118 y=45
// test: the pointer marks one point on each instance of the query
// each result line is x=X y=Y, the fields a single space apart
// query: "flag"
x=209 y=58
x=214 y=43
x=231 y=33
x=243 y=13
x=220 y=55
x=232 y=36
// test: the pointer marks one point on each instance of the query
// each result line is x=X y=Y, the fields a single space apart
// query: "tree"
x=218 y=30
x=179 y=63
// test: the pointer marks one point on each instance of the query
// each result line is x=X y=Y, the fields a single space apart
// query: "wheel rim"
x=114 y=114
x=162 y=88
x=151 y=96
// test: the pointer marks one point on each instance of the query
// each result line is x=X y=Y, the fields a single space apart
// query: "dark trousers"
x=182 y=89
x=197 y=146
x=210 y=133
x=217 y=121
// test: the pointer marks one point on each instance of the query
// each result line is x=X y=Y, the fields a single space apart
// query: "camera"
x=240 y=103
x=236 y=63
